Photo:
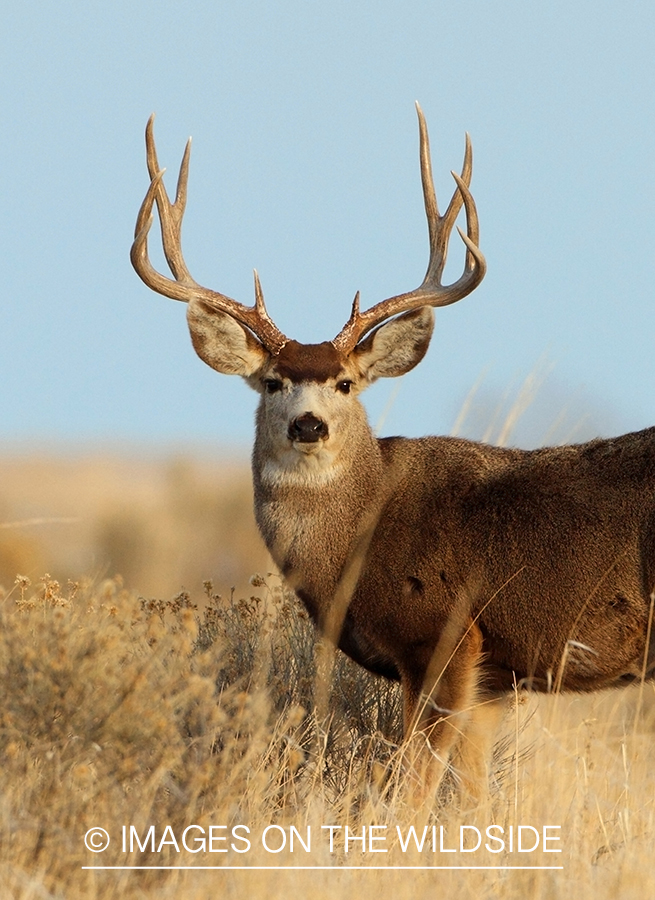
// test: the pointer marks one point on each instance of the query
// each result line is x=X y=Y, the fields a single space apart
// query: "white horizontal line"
x=326 y=868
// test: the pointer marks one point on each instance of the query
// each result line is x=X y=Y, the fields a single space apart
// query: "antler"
x=431 y=292
x=184 y=287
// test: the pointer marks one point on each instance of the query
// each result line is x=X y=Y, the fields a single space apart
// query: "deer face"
x=309 y=408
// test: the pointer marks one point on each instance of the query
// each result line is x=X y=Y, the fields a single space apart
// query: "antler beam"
x=431 y=292
x=183 y=287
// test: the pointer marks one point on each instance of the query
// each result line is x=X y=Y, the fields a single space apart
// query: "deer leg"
x=474 y=752
x=439 y=707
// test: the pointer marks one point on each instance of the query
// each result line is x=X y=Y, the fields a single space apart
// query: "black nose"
x=307 y=429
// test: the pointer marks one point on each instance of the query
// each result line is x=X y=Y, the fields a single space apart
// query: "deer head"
x=308 y=405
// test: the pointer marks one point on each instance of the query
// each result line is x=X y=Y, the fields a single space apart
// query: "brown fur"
x=308 y=362
x=549 y=546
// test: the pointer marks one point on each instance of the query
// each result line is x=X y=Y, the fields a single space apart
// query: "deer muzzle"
x=307 y=429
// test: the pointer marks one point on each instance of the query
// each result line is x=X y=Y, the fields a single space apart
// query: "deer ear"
x=221 y=342
x=397 y=346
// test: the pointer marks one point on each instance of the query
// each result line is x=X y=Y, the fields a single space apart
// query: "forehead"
x=309 y=362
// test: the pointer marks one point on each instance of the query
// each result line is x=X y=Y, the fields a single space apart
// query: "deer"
x=460 y=569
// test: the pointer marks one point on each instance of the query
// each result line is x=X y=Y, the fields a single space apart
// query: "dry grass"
x=119 y=711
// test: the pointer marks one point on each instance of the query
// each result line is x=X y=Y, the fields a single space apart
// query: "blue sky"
x=305 y=166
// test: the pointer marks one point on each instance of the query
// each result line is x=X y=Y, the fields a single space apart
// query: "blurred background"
x=119 y=450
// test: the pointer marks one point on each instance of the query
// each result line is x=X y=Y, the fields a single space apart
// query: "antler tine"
x=476 y=264
x=170 y=214
x=184 y=288
x=439 y=227
x=430 y=292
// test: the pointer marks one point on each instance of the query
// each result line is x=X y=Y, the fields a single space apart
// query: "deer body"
x=545 y=545
x=459 y=568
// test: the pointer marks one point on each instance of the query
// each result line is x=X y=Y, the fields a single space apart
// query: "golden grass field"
x=160 y=697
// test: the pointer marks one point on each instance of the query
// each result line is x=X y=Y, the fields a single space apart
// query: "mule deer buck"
x=458 y=568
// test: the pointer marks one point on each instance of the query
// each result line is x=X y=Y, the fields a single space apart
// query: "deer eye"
x=344 y=386
x=272 y=385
